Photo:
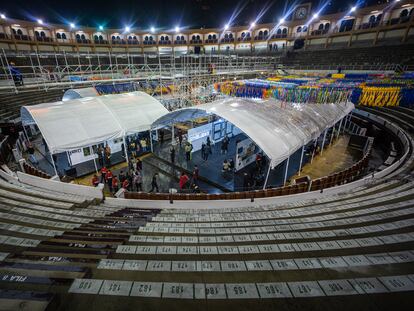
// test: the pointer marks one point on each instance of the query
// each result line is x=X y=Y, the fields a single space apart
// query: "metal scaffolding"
x=181 y=72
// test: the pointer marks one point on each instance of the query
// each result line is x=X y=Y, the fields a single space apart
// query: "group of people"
x=137 y=145
x=130 y=180
x=104 y=155
x=188 y=184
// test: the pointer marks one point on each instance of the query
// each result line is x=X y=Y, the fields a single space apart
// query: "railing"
x=28 y=169
x=345 y=176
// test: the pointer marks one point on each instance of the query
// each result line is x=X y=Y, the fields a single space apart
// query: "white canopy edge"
x=87 y=121
x=79 y=93
x=278 y=130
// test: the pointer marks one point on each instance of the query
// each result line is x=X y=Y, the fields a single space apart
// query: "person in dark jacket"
x=154 y=183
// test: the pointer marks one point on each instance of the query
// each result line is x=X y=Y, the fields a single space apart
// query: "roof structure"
x=279 y=130
x=87 y=121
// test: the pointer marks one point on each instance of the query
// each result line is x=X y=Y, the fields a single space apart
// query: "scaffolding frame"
x=54 y=70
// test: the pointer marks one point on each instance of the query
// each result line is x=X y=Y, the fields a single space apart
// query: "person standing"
x=154 y=183
x=108 y=155
x=195 y=174
x=32 y=156
x=104 y=170
x=115 y=184
x=183 y=180
x=121 y=176
x=187 y=150
x=203 y=151
x=109 y=177
x=172 y=154
x=180 y=137
x=225 y=145
x=139 y=164
x=95 y=181
x=208 y=151
x=161 y=136
x=125 y=184
x=208 y=145
x=138 y=180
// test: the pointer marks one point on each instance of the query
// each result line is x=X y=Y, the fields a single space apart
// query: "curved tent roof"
x=79 y=93
x=86 y=121
x=278 y=131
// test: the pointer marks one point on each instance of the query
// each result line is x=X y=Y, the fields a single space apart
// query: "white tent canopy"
x=278 y=131
x=79 y=93
x=86 y=121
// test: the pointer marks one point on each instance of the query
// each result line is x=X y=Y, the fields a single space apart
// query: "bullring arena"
x=263 y=165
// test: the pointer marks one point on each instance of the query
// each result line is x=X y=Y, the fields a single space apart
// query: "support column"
x=54 y=165
x=152 y=146
x=301 y=158
x=172 y=134
x=125 y=150
x=332 y=134
x=339 y=128
x=314 y=149
x=96 y=166
x=286 y=171
x=323 y=141
x=267 y=175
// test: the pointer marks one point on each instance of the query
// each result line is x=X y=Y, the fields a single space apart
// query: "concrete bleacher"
x=345 y=249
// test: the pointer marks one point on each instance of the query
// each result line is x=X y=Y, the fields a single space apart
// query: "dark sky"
x=141 y=14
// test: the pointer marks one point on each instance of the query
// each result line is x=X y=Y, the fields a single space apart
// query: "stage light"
x=40 y=22
x=252 y=25
x=127 y=28
x=353 y=9
x=3 y=16
x=100 y=27
x=281 y=21
x=152 y=29
x=72 y=25
x=316 y=15
x=177 y=29
x=226 y=26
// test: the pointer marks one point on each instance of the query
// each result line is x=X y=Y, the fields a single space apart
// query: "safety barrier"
x=28 y=169
x=340 y=178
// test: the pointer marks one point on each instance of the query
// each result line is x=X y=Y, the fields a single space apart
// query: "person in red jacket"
x=95 y=180
x=183 y=180
x=108 y=178
x=115 y=184
x=104 y=170
x=125 y=184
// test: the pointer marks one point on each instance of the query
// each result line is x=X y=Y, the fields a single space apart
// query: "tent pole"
x=54 y=165
x=339 y=129
x=172 y=134
x=323 y=141
x=301 y=158
x=96 y=167
x=125 y=150
x=286 y=171
x=314 y=148
x=332 y=135
x=267 y=176
x=25 y=133
x=152 y=146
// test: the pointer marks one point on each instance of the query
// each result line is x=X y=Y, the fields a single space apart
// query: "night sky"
x=164 y=14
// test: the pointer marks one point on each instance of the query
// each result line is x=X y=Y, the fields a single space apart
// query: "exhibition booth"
x=74 y=130
x=264 y=126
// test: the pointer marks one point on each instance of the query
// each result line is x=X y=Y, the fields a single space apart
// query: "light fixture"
x=282 y=20
x=226 y=26
x=353 y=9
x=40 y=22
x=127 y=28
x=177 y=29
x=152 y=29
x=100 y=27
x=72 y=25
x=253 y=24
x=316 y=15
x=3 y=16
